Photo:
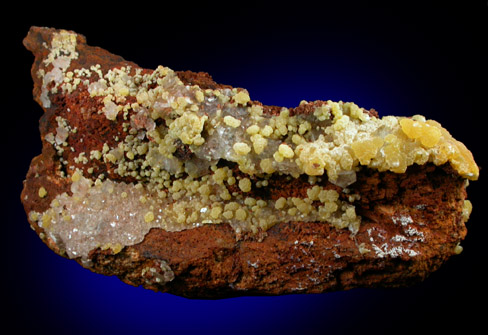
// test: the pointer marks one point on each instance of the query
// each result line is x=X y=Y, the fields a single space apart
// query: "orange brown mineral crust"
x=179 y=184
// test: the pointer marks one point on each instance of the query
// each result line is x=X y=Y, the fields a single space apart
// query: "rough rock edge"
x=295 y=257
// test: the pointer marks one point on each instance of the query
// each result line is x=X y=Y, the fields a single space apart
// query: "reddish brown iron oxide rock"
x=248 y=228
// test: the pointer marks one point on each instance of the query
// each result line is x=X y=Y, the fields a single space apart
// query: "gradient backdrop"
x=424 y=59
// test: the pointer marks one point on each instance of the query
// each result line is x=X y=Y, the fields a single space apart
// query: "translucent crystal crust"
x=116 y=214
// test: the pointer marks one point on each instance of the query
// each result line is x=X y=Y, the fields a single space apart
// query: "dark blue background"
x=406 y=59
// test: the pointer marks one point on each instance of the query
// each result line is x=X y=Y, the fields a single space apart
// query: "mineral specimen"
x=174 y=182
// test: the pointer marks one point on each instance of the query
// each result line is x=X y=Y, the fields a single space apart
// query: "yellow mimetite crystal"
x=386 y=144
x=394 y=143
x=366 y=150
x=427 y=134
x=431 y=134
